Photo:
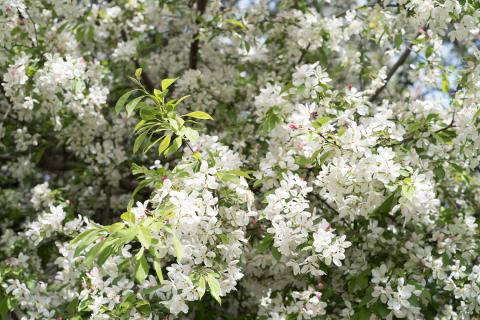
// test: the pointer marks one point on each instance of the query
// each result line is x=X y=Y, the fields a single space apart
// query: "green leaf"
x=428 y=52
x=276 y=254
x=387 y=205
x=475 y=116
x=83 y=305
x=439 y=172
x=144 y=307
x=121 y=101
x=158 y=270
x=199 y=115
x=164 y=144
x=132 y=104
x=271 y=121
x=173 y=124
x=138 y=73
x=177 y=143
x=128 y=217
x=126 y=235
x=107 y=251
x=380 y=310
x=367 y=297
x=265 y=243
x=181 y=99
x=148 y=113
x=201 y=287
x=177 y=247
x=363 y=314
x=321 y=121
x=191 y=134
x=141 y=269
x=3 y=306
x=325 y=156
x=138 y=141
x=144 y=236
x=167 y=83
x=92 y=254
x=456 y=167
x=85 y=242
x=139 y=125
x=398 y=40
x=145 y=150
x=445 y=83
x=238 y=173
x=358 y=283
x=83 y=235
x=236 y=23
x=214 y=287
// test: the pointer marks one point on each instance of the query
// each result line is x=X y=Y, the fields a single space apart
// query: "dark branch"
x=401 y=60
x=324 y=202
x=195 y=45
x=304 y=52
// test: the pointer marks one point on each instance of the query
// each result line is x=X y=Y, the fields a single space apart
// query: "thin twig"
x=304 y=52
x=34 y=26
x=450 y=125
x=334 y=143
x=327 y=205
x=189 y=146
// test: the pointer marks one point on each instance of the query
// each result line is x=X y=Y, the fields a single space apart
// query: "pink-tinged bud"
x=318 y=294
x=102 y=238
x=421 y=30
x=164 y=178
x=321 y=285
x=349 y=86
x=59 y=318
x=292 y=125
x=299 y=146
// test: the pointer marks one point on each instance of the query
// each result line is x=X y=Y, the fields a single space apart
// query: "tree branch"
x=195 y=45
x=401 y=60
x=304 y=52
x=34 y=26
x=343 y=13
x=325 y=203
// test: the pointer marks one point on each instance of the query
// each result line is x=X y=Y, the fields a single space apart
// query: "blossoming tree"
x=208 y=159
